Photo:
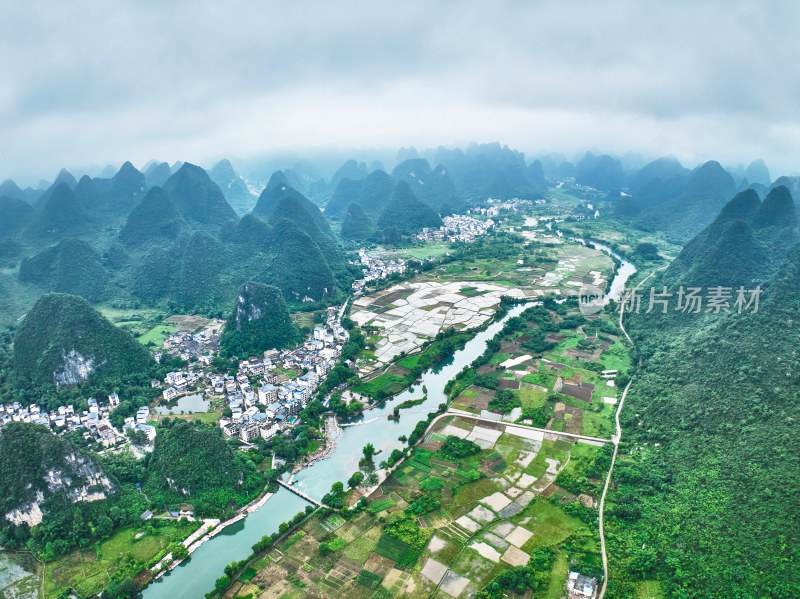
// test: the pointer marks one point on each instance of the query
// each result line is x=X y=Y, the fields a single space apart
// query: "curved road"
x=616 y=438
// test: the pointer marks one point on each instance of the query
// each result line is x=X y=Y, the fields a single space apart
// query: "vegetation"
x=534 y=576
x=711 y=474
x=504 y=401
x=192 y=463
x=456 y=448
x=62 y=338
x=259 y=321
x=406 y=213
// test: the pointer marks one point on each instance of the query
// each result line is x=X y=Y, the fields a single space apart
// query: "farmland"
x=455 y=523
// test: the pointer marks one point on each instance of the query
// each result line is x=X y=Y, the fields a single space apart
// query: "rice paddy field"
x=448 y=523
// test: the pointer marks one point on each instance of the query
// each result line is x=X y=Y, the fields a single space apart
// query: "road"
x=462 y=414
x=616 y=439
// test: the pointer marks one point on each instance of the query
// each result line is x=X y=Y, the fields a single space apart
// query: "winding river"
x=196 y=576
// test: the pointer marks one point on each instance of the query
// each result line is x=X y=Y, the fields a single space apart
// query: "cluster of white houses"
x=264 y=408
x=93 y=421
x=272 y=405
x=376 y=268
x=186 y=345
x=458 y=227
x=497 y=206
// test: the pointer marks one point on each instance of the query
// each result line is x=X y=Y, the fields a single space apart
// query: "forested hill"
x=192 y=463
x=684 y=214
x=707 y=487
x=744 y=245
x=258 y=322
x=36 y=465
x=63 y=341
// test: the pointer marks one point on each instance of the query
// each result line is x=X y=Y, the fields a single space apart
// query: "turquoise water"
x=195 y=577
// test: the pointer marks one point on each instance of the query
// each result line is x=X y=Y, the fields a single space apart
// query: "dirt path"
x=615 y=440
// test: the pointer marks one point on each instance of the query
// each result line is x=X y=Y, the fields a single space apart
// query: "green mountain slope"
x=155 y=218
x=71 y=267
x=197 y=287
x=192 y=463
x=704 y=499
x=708 y=189
x=61 y=216
x=63 y=341
x=16 y=216
x=259 y=321
x=407 y=213
x=197 y=197
x=432 y=186
x=357 y=226
x=743 y=246
x=233 y=187
x=35 y=465
x=299 y=269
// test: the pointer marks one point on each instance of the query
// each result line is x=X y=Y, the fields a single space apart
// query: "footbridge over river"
x=299 y=493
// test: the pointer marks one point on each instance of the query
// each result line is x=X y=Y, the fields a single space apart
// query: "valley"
x=444 y=393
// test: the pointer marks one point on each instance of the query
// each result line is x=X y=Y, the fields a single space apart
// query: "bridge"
x=299 y=493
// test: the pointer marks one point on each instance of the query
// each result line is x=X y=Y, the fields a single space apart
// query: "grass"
x=558 y=578
x=360 y=548
x=549 y=524
x=429 y=250
x=388 y=383
x=304 y=319
x=379 y=506
x=581 y=457
x=409 y=362
x=289 y=373
x=157 y=335
x=531 y=398
x=542 y=379
x=539 y=464
x=598 y=424
x=499 y=358
x=616 y=357
x=89 y=572
x=649 y=589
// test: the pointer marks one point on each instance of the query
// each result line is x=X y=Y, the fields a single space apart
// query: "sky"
x=97 y=82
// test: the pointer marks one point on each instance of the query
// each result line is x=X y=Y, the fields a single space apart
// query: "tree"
x=355 y=480
x=180 y=552
x=222 y=582
x=137 y=437
x=125 y=589
x=367 y=463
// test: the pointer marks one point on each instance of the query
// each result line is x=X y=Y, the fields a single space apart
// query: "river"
x=624 y=272
x=196 y=576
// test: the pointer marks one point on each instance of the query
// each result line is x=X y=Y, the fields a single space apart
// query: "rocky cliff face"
x=80 y=480
x=38 y=465
x=74 y=369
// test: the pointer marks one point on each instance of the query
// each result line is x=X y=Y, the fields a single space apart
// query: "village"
x=376 y=268
x=262 y=399
x=457 y=227
x=273 y=405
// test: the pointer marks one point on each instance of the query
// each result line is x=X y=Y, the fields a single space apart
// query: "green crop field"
x=157 y=335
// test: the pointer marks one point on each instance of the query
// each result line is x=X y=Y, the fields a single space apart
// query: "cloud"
x=91 y=82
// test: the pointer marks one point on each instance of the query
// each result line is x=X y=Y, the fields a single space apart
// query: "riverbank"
x=332 y=431
x=207 y=531
x=200 y=573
